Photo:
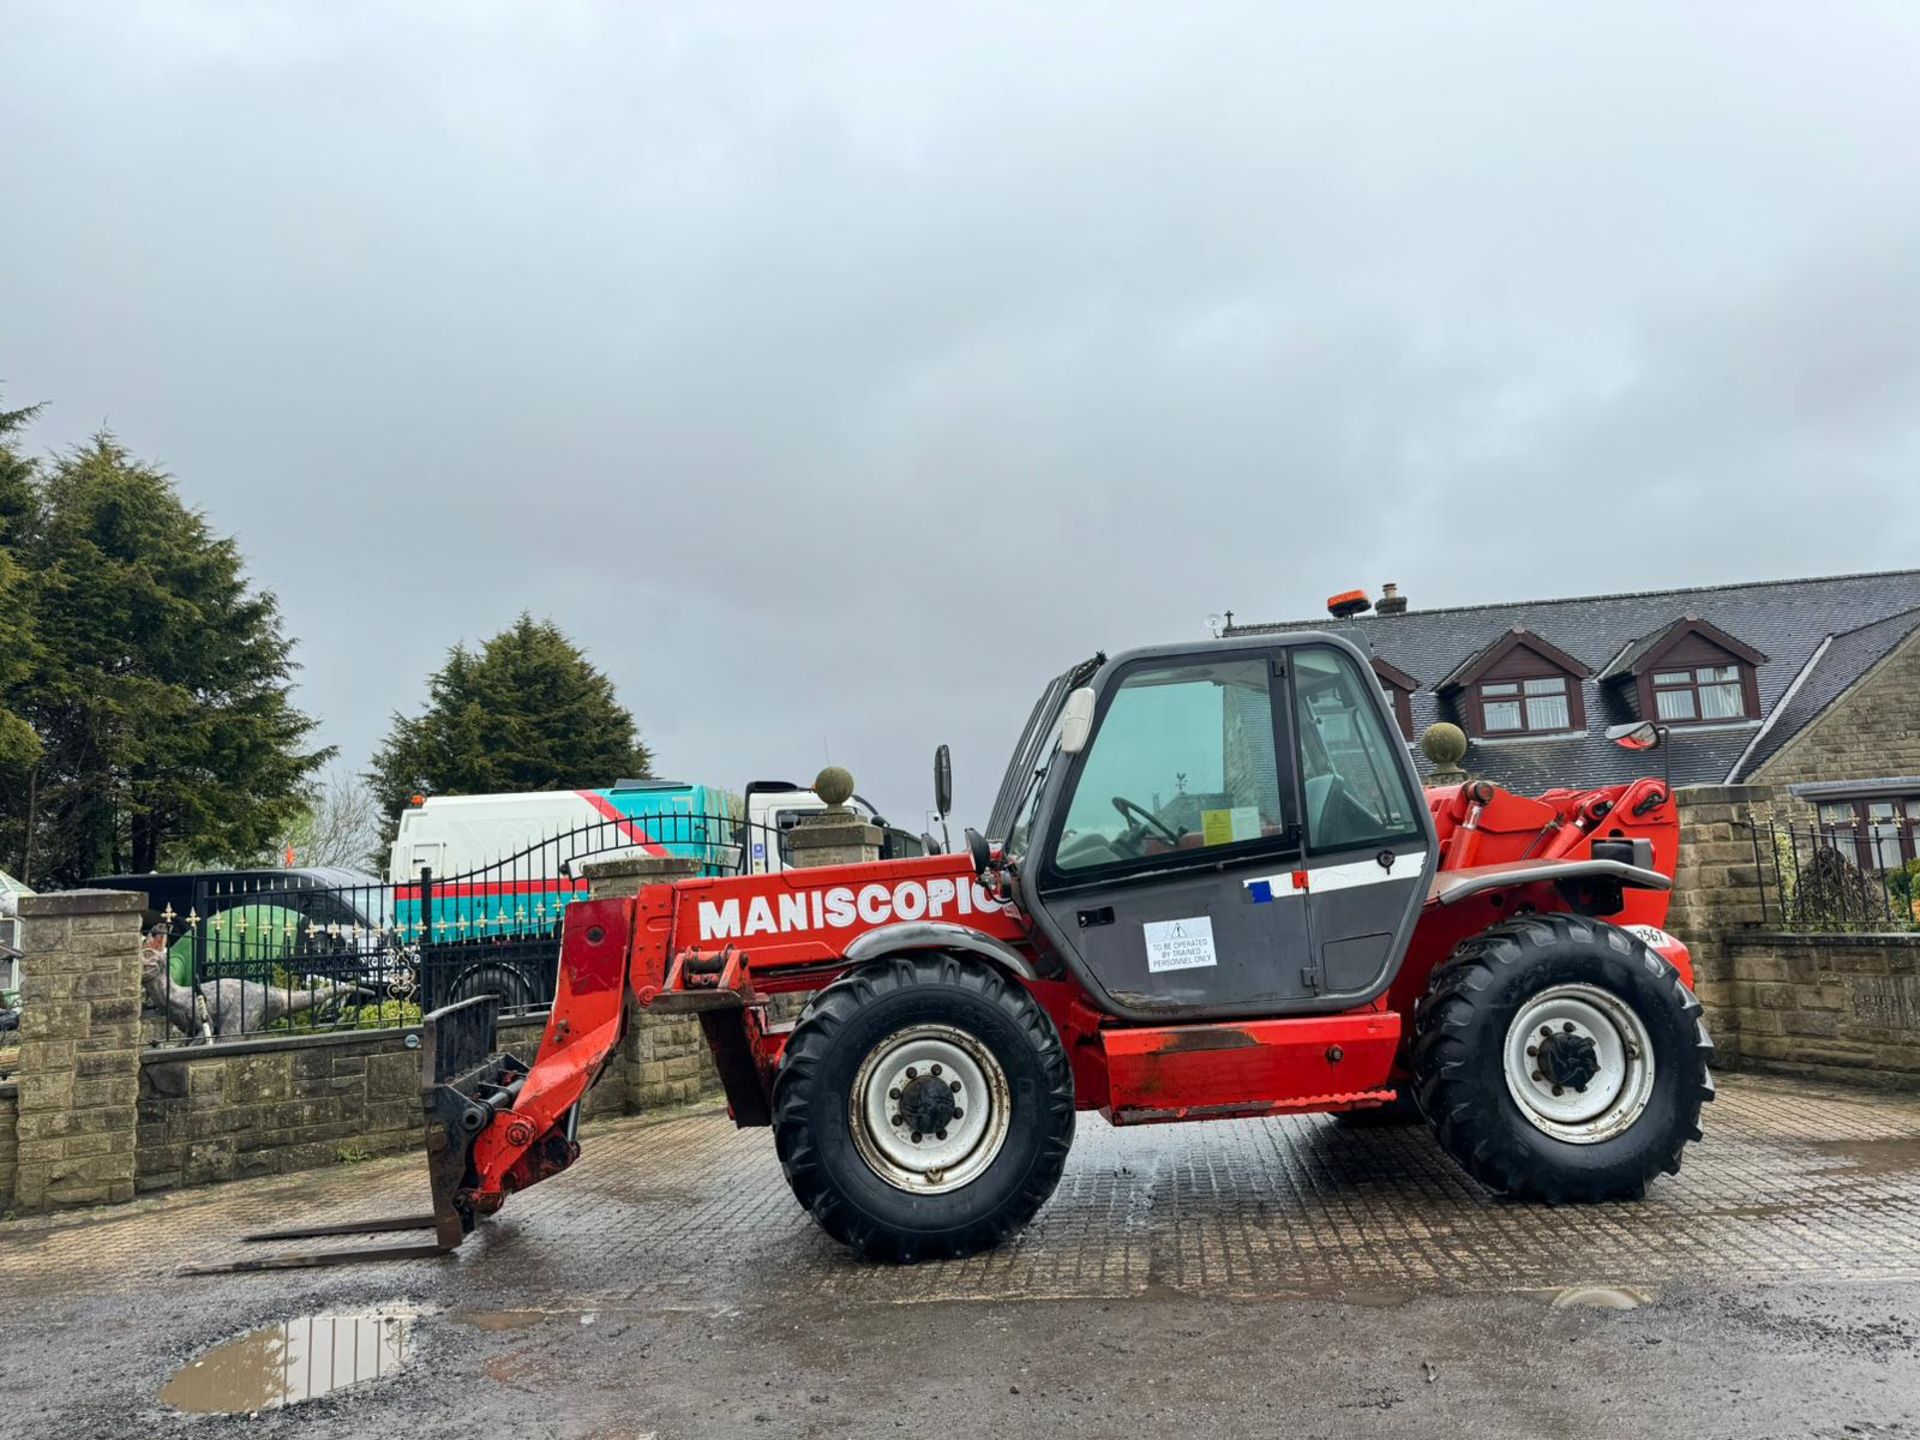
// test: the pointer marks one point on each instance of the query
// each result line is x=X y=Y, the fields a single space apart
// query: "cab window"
x=1350 y=778
x=1183 y=760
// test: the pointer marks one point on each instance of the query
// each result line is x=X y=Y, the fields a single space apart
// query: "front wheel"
x=1559 y=1058
x=923 y=1108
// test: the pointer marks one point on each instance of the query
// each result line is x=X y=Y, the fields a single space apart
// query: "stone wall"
x=9 y=1146
x=668 y=1062
x=1836 y=1006
x=98 y=1111
x=1870 y=732
x=224 y=1111
x=261 y=1107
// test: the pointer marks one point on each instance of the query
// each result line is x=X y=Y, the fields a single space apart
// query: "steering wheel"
x=1145 y=819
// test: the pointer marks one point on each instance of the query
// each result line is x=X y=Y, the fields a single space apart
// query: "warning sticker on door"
x=1223 y=827
x=1180 y=944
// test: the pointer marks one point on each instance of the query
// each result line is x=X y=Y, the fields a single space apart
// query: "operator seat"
x=1334 y=817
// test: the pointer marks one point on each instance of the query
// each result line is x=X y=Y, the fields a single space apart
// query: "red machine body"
x=725 y=949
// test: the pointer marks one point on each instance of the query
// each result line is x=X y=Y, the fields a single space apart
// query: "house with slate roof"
x=1810 y=684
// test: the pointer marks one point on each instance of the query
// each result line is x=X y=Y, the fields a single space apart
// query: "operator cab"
x=1231 y=829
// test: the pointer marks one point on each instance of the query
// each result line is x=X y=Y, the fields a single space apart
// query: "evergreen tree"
x=19 y=746
x=527 y=712
x=160 y=686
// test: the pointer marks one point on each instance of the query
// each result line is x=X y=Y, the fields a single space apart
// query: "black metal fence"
x=1835 y=874
x=270 y=952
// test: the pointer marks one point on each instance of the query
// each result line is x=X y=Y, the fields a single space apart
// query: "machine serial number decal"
x=1180 y=944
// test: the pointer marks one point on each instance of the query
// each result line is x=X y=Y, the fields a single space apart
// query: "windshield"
x=1034 y=747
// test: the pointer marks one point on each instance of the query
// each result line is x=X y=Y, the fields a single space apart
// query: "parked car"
x=318 y=923
x=314 y=921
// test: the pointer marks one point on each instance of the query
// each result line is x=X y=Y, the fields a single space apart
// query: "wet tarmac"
x=1252 y=1278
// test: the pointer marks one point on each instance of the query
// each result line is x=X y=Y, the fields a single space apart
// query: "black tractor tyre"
x=815 y=1121
x=1461 y=1046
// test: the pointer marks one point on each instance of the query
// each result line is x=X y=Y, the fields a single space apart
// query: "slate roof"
x=1846 y=658
x=1786 y=620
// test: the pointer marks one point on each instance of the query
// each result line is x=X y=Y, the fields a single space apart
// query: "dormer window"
x=1706 y=692
x=1508 y=706
x=1399 y=686
x=1519 y=685
x=1689 y=672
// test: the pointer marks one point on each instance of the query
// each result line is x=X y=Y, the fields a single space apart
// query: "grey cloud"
x=837 y=379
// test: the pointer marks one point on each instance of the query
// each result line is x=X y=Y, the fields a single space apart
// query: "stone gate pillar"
x=665 y=1057
x=835 y=835
x=79 y=1048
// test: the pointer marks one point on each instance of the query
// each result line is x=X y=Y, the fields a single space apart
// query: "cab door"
x=1149 y=877
x=1368 y=852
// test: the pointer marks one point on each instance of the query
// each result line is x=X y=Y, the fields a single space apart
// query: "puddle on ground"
x=294 y=1360
x=1886 y=1156
x=499 y=1319
x=1603 y=1297
x=1368 y=1299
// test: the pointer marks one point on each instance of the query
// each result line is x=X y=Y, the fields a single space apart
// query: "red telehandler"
x=1211 y=887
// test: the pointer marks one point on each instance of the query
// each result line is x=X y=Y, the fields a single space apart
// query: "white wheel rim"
x=1622 y=1054
x=896 y=1075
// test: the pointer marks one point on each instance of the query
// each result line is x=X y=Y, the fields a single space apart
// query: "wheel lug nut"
x=1531 y=1050
x=939 y=1134
x=954 y=1085
x=899 y=1120
x=916 y=1137
x=1538 y=1076
x=1568 y=1027
x=1557 y=1090
x=959 y=1114
x=895 y=1094
x=911 y=1072
x=935 y=1070
x=1579 y=1089
x=1545 y=1030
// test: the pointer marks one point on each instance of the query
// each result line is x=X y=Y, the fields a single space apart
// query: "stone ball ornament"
x=834 y=785
x=1444 y=744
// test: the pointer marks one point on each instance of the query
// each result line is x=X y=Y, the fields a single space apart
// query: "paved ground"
x=1254 y=1278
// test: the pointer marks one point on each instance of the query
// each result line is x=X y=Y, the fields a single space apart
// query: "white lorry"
x=548 y=832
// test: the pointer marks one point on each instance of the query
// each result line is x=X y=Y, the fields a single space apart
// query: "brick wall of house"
x=1872 y=731
x=1839 y=1006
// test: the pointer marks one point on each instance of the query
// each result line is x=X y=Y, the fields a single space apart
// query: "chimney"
x=1392 y=602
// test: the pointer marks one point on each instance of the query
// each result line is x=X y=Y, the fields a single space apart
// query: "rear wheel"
x=1559 y=1058
x=924 y=1108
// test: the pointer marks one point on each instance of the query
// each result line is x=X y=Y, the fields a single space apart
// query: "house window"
x=1706 y=692
x=1511 y=707
x=1399 y=687
x=1878 y=829
x=1402 y=705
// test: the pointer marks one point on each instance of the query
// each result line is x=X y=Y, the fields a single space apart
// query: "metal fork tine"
x=317 y=1259
x=347 y=1227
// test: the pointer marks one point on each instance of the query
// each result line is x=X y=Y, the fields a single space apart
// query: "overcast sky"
x=835 y=381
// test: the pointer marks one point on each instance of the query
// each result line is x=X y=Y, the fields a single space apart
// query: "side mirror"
x=978 y=851
x=1637 y=735
x=943 y=782
x=1076 y=721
